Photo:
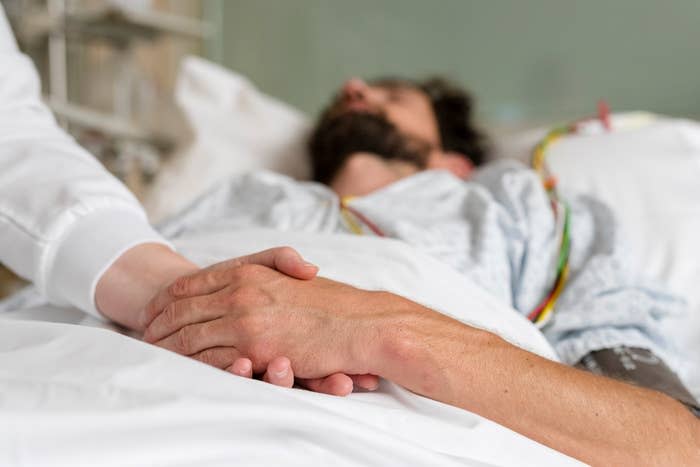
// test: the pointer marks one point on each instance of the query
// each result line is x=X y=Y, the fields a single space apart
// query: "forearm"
x=595 y=419
x=126 y=287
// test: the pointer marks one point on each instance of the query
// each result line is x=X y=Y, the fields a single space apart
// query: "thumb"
x=284 y=259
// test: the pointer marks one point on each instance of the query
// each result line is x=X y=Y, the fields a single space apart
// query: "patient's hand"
x=190 y=303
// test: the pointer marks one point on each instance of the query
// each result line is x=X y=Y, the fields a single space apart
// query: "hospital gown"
x=498 y=230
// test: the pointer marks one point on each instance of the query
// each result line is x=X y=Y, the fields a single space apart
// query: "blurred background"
x=109 y=66
x=534 y=60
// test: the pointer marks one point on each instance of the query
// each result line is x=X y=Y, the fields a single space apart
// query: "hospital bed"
x=647 y=169
x=74 y=392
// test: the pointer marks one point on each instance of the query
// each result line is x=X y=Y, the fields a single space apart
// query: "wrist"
x=422 y=350
x=135 y=277
x=390 y=340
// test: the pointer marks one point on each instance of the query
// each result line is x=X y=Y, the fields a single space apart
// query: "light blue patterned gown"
x=498 y=229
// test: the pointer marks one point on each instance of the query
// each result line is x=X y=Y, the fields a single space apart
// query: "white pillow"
x=650 y=176
x=236 y=129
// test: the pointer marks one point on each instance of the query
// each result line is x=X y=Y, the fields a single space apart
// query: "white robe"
x=63 y=218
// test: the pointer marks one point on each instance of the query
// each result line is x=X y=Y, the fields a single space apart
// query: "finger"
x=279 y=372
x=177 y=289
x=194 y=338
x=216 y=277
x=366 y=382
x=242 y=367
x=338 y=384
x=181 y=313
x=219 y=357
x=209 y=280
x=284 y=259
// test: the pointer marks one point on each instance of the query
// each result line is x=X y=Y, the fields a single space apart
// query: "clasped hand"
x=267 y=314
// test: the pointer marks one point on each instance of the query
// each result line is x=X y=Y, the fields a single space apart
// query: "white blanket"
x=77 y=395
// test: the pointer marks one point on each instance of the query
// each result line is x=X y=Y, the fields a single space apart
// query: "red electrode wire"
x=372 y=226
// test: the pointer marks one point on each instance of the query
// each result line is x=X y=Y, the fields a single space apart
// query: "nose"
x=354 y=90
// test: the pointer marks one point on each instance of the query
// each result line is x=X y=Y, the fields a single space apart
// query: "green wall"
x=525 y=60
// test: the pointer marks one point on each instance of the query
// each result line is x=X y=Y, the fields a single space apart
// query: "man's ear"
x=459 y=164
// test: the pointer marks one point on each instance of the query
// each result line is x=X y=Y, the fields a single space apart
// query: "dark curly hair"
x=333 y=140
x=454 y=110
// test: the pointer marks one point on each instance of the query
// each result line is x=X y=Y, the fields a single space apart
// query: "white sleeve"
x=63 y=218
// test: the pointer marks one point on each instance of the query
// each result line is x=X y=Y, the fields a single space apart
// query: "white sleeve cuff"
x=90 y=246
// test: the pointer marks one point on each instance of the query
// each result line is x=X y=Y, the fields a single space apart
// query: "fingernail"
x=309 y=265
x=245 y=367
x=281 y=374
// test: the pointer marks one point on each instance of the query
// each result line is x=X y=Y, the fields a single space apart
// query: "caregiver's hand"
x=195 y=297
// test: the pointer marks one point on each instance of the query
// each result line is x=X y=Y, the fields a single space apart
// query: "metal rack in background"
x=126 y=144
x=115 y=132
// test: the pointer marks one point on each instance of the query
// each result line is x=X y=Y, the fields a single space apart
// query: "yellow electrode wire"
x=355 y=227
x=543 y=318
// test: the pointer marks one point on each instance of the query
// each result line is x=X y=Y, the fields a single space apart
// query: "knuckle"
x=234 y=263
x=212 y=279
x=183 y=340
x=248 y=296
x=237 y=274
x=248 y=271
x=170 y=314
x=180 y=287
x=232 y=299
x=251 y=324
x=206 y=356
x=210 y=357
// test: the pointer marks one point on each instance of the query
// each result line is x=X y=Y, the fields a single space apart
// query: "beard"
x=337 y=137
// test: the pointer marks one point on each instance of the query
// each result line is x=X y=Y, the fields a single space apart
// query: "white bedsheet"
x=79 y=395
